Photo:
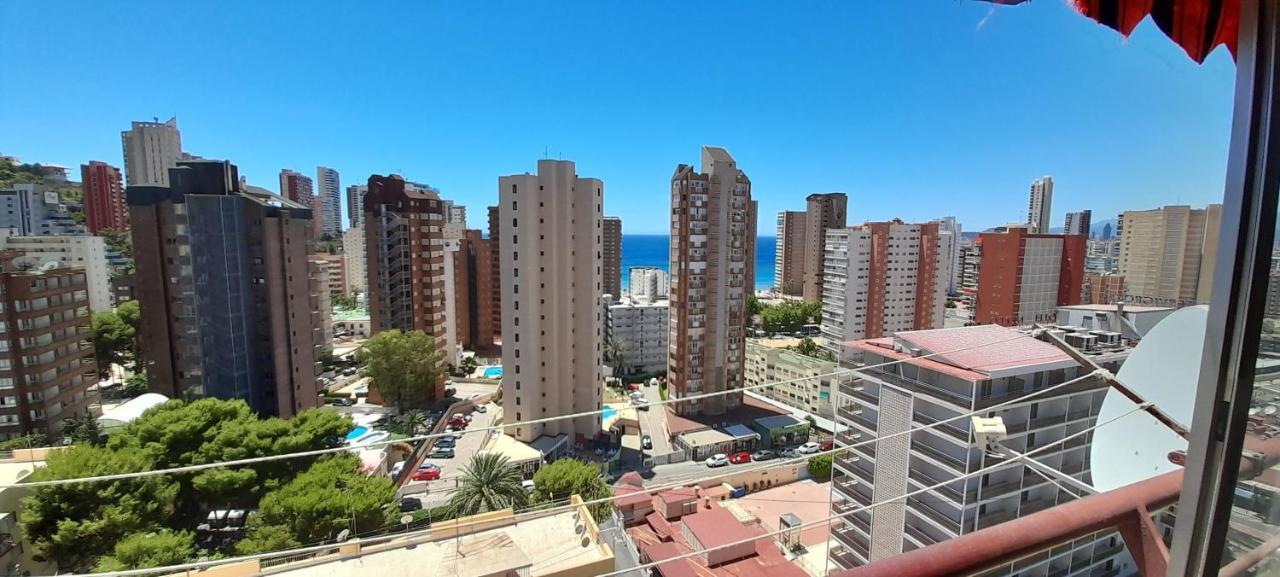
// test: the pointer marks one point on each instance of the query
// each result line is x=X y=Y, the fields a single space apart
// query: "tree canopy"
x=820 y=467
x=152 y=549
x=488 y=483
x=557 y=481
x=789 y=317
x=113 y=340
x=403 y=368
x=809 y=348
x=318 y=504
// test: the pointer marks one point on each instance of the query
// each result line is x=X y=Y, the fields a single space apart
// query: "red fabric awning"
x=1198 y=26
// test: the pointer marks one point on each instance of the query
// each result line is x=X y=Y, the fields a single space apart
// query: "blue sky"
x=916 y=109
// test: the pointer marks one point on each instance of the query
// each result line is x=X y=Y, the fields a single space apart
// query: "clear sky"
x=916 y=109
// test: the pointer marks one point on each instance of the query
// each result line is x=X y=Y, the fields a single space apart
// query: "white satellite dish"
x=1270 y=410
x=1164 y=369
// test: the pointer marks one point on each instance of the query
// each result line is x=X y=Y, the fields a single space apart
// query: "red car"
x=458 y=423
x=426 y=473
x=740 y=458
x=826 y=445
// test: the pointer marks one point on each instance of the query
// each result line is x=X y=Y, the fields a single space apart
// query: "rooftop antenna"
x=546 y=152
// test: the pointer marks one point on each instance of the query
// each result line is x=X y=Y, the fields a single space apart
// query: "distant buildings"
x=405 y=261
x=647 y=282
x=948 y=225
x=87 y=253
x=1167 y=254
x=884 y=277
x=1106 y=231
x=970 y=262
x=1024 y=277
x=335 y=274
x=920 y=390
x=355 y=204
x=495 y=263
x=328 y=203
x=552 y=325
x=471 y=288
x=49 y=367
x=35 y=209
x=150 y=150
x=231 y=306
x=354 y=254
x=1103 y=256
x=1039 y=208
x=104 y=203
x=804 y=382
x=611 y=256
x=710 y=258
x=1102 y=288
x=1078 y=223
x=640 y=328
x=297 y=187
x=798 y=263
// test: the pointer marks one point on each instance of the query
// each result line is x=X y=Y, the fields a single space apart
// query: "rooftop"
x=1112 y=308
x=512 y=449
x=750 y=410
x=716 y=527
x=979 y=352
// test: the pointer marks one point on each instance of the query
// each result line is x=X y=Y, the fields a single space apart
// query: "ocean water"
x=651 y=250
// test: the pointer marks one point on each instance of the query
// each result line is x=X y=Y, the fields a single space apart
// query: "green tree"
x=27 y=441
x=468 y=366
x=136 y=384
x=113 y=340
x=118 y=240
x=557 y=481
x=820 y=467
x=83 y=430
x=789 y=317
x=151 y=549
x=11 y=174
x=318 y=504
x=265 y=539
x=754 y=307
x=345 y=301
x=76 y=523
x=613 y=354
x=488 y=483
x=403 y=367
x=809 y=348
x=950 y=304
x=411 y=423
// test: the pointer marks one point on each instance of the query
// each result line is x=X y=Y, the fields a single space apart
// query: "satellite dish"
x=406 y=519
x=1253 y=411
x=1164 y=369
x=1270 y=410
x=344 y=535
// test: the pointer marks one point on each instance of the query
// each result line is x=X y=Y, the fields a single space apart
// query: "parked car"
x=827 y=445
x=789 y=453
x=646 y=442
x=441 y=453
x=446 y=442
x=717 y=460
x=426 y=473
x=396 y=469
x=763 y=455
x=808 y=448
x=528 y=485
x=458 y=422
x=740 y=458
x=349 y=371
x=342 y=402
x=482 y=409
x=408 y=504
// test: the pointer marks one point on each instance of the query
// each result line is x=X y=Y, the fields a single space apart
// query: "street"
x=653 y=422
x=436 y=493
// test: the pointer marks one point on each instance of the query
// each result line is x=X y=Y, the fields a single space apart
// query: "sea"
x=652 y=250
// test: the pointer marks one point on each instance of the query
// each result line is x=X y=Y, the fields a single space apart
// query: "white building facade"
x=640 y=327
x=353 y=252
x=150 y=150
x=328 y=202
x=86 y=252
x=647 y=283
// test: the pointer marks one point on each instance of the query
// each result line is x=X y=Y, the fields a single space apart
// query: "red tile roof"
x=660 y=526
x=679 y=495
x=678 y=568
x=986 y=349
x=631 y=478
x=715 y=527
x=628 y=495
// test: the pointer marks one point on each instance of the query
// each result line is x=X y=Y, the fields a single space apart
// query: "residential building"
x=611 y=259
x=354 y=254
x=1132 y=321
x=884 y=277
x=355 y=204
x=640 y=328
x=298 y=188
x=457 y=214
x=88 y=253
x=1103 y=256
x=1273 y=295
x=903 y=386
x=104 y=204
x=552 y=325
x=1167 y=254
x=950 y=226
x=495 y=263
x=1024 y=277
x=788 y=260
x=17 y=554
x=1041 y=204
x=231 y=307
x=711 y=248
x=970 y=262
x=1078 y=223
x=35 y=209
x=805 y=382
x=325 y=274
x=753 y=241
x=335 y=274
x=823 y=212
x=470 y=291
x=49 y=373
x=405 y=260
x=647 y=282
x=150 y=150
x=328 y=203
x=1102 y=288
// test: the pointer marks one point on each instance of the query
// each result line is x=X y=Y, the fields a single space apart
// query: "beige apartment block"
x=1167 y=254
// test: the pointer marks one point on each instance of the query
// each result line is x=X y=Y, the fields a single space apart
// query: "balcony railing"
x=926 y=480
x=954 y=462
x=920 y=536
x=934 y=513
x=995 y=518
x=947 y=427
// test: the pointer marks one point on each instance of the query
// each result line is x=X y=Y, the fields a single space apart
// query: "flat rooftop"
x=974 y=353
x=1112 y=308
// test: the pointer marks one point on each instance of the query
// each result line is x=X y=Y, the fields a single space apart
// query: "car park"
x=717 y=460
x=441 y=453
x=447 y=442
x=740 y=458
x=396 y=469
x=808 y=448
x=426 y=473
x=763 y=455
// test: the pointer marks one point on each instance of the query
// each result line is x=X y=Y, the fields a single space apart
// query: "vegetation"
x=113 y=340
x=142 y=550
x=488 y=483
x=27 y=441
x=136 y=384
x=11 y=174
x=662 y=390
x=614 y=356
x=950 y=304
x=83 y=430
x=318 y=504
x=81 y=524
x=820 y=467
x=118 y=240
x=554 y=484
x=411 y=423
x=403 y=368
x=789 y=317
x=809 y=348
x=753 y=305
x=346 y=301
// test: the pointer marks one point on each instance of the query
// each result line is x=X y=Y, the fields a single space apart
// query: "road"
x=436 y=493
x=689 y=471
x=464 y=390
x=653 y=422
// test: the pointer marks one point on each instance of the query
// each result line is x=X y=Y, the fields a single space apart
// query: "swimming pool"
x=356 y=432
x=493 y=373
x=609 y=413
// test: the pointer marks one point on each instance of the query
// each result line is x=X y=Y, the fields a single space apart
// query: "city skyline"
x=882 y=141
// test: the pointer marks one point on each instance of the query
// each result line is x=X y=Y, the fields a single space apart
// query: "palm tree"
x=489 y=483
x=613 y=353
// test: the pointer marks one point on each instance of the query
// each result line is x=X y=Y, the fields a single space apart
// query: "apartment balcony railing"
x=865 y=450
x=920 y=536
x=995 y=518
x=850 y=539
x=1036 y=506
x=1043 y=422
x=954 y=397
x=849 y=490
x=941 y=457
x=925 y=480
x=935 y=514
x=845 y=558
x=947 y=427
x=1001 y=489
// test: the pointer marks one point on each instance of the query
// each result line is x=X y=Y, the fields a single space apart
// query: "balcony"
x=956 y=398
x=926 y=480
x=848 y=489
x=948 y=427
x=1000 y=489
x=1043 y=422
x=956 y=463
x=851 y=540
x=849 y=416
x=935 y=514
x=919 y=536
x=845 y=558
x=995 y=518
x=1036 y=506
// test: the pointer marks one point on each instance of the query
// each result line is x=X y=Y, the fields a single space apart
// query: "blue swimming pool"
x=356 y=432
x=493 y=373
x=609 y=413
